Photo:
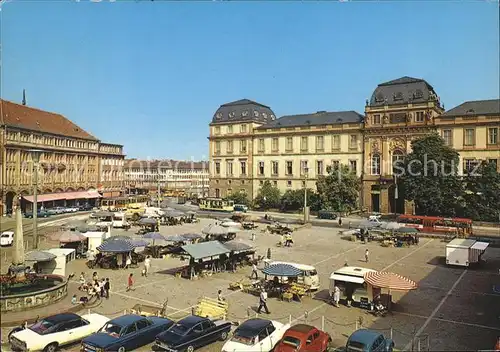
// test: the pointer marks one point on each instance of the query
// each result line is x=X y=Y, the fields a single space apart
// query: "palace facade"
x=248 y=144
x=73 y=166
x=190 y=177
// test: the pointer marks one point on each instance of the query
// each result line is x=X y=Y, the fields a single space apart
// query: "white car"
x=50 y=333
x=7 y=238
x=256 y=335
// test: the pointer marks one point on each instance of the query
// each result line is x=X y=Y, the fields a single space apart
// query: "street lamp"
x=306 y=213
x=35 y=157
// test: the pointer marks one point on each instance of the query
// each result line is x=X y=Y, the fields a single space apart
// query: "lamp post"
x=306 y=213
x=35 y=157
x=159 y=194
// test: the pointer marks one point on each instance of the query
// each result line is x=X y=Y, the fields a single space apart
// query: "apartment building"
x=191 y=177
x=70 y=161
x=248 y=144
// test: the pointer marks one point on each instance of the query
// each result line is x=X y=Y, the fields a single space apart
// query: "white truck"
x=463 y=252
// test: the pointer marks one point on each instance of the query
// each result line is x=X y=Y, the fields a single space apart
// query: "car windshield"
x=244 y=337
x=179 y=329
x=291 y=341
x=111 y=329
x=4 y=236
x=41 y=327
x=313 y=273
x=355 y=346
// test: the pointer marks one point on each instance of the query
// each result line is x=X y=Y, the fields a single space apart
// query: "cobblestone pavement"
x=453 y=309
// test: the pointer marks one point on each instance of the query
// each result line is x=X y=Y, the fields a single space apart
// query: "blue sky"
x=150 y=75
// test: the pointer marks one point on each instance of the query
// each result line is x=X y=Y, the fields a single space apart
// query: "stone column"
x=18 y=244
x=384 y=200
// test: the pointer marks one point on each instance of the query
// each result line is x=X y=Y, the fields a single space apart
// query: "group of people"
x=95 y=288
x=286 y=240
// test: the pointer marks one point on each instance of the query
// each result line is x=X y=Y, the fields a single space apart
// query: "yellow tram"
x=217 y=204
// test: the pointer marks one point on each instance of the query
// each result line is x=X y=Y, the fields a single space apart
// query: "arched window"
x=375 y=164
x=397 y=162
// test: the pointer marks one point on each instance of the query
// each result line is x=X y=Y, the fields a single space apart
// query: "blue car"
x=126 y=333
x=365 y=340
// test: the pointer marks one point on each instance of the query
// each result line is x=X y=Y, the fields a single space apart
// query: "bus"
x=437 y=224
x=217 y=204
x=124 y=203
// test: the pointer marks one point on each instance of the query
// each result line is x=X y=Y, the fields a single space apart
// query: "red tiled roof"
x=166 y=164
x=21 y=116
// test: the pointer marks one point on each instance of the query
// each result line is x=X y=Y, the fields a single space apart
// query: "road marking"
x=337 y=255
x=434 y=312
x=406 y=256
x=450 y=321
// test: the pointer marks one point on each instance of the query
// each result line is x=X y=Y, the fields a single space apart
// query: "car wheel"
x=223 y=336
x=121 y=349
x=51 y=347
x=190 y=349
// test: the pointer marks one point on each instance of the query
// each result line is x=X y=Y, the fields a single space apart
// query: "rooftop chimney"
x=24 y=97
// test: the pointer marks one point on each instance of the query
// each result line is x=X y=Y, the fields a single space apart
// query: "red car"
x=303 y=338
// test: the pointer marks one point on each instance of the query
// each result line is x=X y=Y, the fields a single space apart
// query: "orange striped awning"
x=389 y=281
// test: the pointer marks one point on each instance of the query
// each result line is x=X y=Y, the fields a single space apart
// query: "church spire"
x=24 y=96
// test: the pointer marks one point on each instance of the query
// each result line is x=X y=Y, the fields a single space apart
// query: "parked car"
x=240 y=207
x=85 y=207
x=126 y=333
x=55 y=210
x=71 y=209
x=50 y=333
x=192 y=332
x=7 y=238
x=327 y=214
x=259 y=335
x=39 y=213
x=303 y=338
x=365 y=340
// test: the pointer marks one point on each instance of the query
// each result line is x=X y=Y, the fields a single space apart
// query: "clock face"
x=255 y=113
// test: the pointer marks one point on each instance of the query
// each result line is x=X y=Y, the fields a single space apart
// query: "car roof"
x=126 y=319
x=191 y=321
x=302 y=328
x=364 y=336
x=59 y=318
x=255 y=324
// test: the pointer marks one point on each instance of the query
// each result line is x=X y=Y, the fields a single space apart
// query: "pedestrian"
x=282 y=240
x=366 y=255
x=74 y=300
x=147 y=265
x=95 y=277
x=254 y=272
x=128 y=262
x=130 y=282
x=82 y=281
x=101 y=287
x=340 y=221
x=263 y=302
x=253 y=236
x=90 y=258
x=219 y=296
x=336 y=296
x=97 y=290
x=106 y=288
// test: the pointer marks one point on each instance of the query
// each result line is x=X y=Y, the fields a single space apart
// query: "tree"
x=269 y=196
x=339 y=190
x=482 y=193
x=294 y=200
x=429 y=176
x=240 y=197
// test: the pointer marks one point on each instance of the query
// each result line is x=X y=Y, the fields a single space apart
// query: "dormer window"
x=231 y=114
x=255 y=113
x=379 y=98
x=272 y=117
x=470 y=111
x=244 y=113
x=264 y=115
x=219 y=115
x=398 y=96
x=418 y=94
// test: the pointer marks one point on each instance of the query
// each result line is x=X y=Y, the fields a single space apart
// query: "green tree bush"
x=339 y=190
x=269 y=197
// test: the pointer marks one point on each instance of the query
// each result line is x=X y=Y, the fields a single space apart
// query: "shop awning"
x=49 y=197
x=205 y=249
x=390 y=281
x=237 y=246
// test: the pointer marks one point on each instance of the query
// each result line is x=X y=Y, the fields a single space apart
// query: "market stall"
x=113 y=254
x=63 y=256
x=206 y=258
x=41 y=262
x=284 y=289
x=214 y=232
x=381 y=280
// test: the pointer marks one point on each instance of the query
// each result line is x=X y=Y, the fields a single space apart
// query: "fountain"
x=21 y=289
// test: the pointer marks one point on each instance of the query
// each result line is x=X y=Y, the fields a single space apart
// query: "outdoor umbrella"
x=389 y=281
x=148 y=221
x=116 y=246
x=368 y=224
x=215 y=230
x=173 y=213
x=232 y=230
x=407 y=230
x=75 y=224
x=87 y=228
x=39 y=256
x=231 y=224
x=282 y=270
x=139 y=243
x=118 y=238
x=67 y=237
x=155 y=236
x=390 y=225
x=191 y=236
x=175 y=238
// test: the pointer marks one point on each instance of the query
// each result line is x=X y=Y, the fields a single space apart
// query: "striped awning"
x=390 y=281
x=48 y=197
x=282 y=270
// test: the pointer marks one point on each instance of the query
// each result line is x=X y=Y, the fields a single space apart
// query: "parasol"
x=39 y=256
x=175 y=238
x=231 y=224
x=215 y=230
x=155 y=236
x=67 y=237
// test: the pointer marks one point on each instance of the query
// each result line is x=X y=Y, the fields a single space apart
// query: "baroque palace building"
x=248 y=144
x=74 y=167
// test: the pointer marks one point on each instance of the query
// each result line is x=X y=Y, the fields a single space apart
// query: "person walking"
x=263 y=302
x=95 y=277
x=130 y=282
x=366 y=255
x=340 y=221
x=219 y=296
x=147 y=265
x=254 y=271
x=336 y=296
x=82 y=281
x=128 y=262
x=101 y=287
x=106 y=288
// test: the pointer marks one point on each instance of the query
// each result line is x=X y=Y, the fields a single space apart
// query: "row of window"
x=243 y=128
x=289 y=145
x=289 y=169
x=470 y=136
x=52 y=141
x=418 y=117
